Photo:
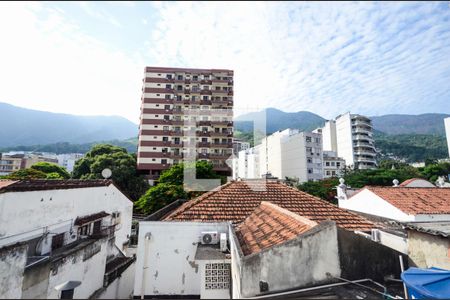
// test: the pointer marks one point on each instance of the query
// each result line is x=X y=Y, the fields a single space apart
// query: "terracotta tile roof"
x=5 y=182
x=236 y=200
x=43 y=184
x=269 y=225
x=415 y=201
x=411 y=180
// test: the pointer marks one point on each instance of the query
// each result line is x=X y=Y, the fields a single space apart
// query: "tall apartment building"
x=447 y=132
x=287 y=153
x=182 y=108
x=350 y=136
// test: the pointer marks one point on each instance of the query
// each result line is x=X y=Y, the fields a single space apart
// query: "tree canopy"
x=49 y=168
x=170 y=186
x=119 y=161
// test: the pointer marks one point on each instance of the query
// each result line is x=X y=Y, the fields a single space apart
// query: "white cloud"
x=48 y=64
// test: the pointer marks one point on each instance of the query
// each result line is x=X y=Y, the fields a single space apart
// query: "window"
x=179 y=88
x=180 y=77
x=308 y=149
x=327 y=163
x=332 y=163
x=167 y=96
x=205 y=97
x=309 y=160
x=166 y=106
x=166 y=117
x=333 y=173
x=308 y=139
x=165 y=128
x=168 y=86
x=328 y=173
x=317 y=140
x=67 y=294
x=310 y=171
x=57 y=241
x=204 y=140
x=179 y=98
x=164 y=150
x=204 y=151
x=193 y=98
x=195 y=77
x=165 y=139
x=168 y=76
x=204 y=129
x=156 y=116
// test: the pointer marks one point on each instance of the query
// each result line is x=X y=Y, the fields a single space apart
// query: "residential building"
x=64 y=239
x=447 y=132
x=185 y=111
x=247 y=163
x=68 y=160
x=270 y=232
x=428 y=244
x=9 y=164
x=288 y=153
x=239 y=145
x=350 y=135
x=333 y=166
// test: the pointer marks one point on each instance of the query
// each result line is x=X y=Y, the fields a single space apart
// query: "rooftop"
x=413 y=201
x=236 y=200
x=434 y=228
x=43 y=184
x=422 y=182
x=269 y=225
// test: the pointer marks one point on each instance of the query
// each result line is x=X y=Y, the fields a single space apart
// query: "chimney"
x=395 y=182
x=341 y=190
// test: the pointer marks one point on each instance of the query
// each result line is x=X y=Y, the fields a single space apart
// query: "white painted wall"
x=171 y=268
x=344 y=138
x=12 y=264
x=394 y=241
x=329 y=136
x=121 y=287
x=368 y=202
x=23 y=215
x=447 y=132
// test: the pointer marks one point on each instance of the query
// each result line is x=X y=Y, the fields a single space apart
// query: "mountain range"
x=304 y=120
x=21 y=126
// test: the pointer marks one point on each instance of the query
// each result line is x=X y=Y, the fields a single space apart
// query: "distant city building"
x=168 y=93
x=68 y=160
x=13 y=161
x=288 y=153
x=447 y=132
x=9 y=164
x=350 y=135
x=333 y=166
x=239 y=145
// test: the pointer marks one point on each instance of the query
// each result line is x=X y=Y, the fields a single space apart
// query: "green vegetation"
x=388 y=171
x=170 y=186
x=60 y=148
x=121 y=163
x=40 y=170
x=411 y=147
x=26 y=174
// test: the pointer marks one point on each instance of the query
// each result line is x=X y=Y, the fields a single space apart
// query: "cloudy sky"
x=327 y=58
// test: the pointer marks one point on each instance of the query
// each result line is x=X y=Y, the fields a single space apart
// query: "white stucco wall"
x=393 y=241
x=23 y=215
x=12 y=264
x=329 y=136
x=344 y=139
x=121 y=287
x=171 y=268
x=368 y=202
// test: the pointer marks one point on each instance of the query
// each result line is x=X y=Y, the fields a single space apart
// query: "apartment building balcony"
x=205 y=102
x=226 y=81
x=362 y=130
x=203 y=144
x=158 y=90
x=222 y=102
x=362 y=137
x=363 y=144
x=222 y=123
x=204 y=123
x=365 y=153
x=160 y=111
x=220 y=92
x=221 y=145
x=158 y=101
x=203 y=155
x=221 y=134
x=205 y=92
x=177 y=144
x=206 y=81
x=365 y=160
x=177 y=122
x=362 y=123
x=203 y=133
x=219 y=156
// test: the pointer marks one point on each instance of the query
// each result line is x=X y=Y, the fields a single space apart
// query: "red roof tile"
x=415 y=201
x=269 y=225
x=4 y=183
x=236 y=200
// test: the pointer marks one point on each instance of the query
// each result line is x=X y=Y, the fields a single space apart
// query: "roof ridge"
x=197 y=200
x=290 y=214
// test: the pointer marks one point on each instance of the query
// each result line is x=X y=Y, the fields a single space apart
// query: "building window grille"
x=217 y=276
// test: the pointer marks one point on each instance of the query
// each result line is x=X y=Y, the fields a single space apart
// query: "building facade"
x=447 y=132
x=9 y=164
x=64 y=236
x=68 y=160
x=185 y=112
x=351 y=137
x=288 y=153
x=333 y=166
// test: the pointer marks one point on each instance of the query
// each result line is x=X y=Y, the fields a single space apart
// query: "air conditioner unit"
x=209 y=238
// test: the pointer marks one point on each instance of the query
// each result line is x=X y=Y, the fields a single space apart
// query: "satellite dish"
x=106 y=173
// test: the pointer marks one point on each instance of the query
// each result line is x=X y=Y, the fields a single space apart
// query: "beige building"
x=9 y=164
x=429 y=244
x=185 y=112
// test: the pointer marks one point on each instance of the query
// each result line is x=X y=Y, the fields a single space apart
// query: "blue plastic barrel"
x=432 y=283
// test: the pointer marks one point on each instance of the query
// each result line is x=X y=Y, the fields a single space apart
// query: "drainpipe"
x=145 y=266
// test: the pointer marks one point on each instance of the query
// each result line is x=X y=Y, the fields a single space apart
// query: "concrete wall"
x=344 y=138
x=169 y=257
x=427 y=250
x=122 y=286
x=368 y=202
x=12 y=264
x=303 y=261
x=212 y=293
x=393 y=241
x=329 y=136
x=360 y=258
x=24 y=215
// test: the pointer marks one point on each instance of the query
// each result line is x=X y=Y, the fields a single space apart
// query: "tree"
x=170 y=186
x=119 y=161
x=49 y=168
x=26 y=174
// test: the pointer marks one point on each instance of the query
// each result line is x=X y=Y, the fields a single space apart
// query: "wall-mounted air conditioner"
x=209 y=238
